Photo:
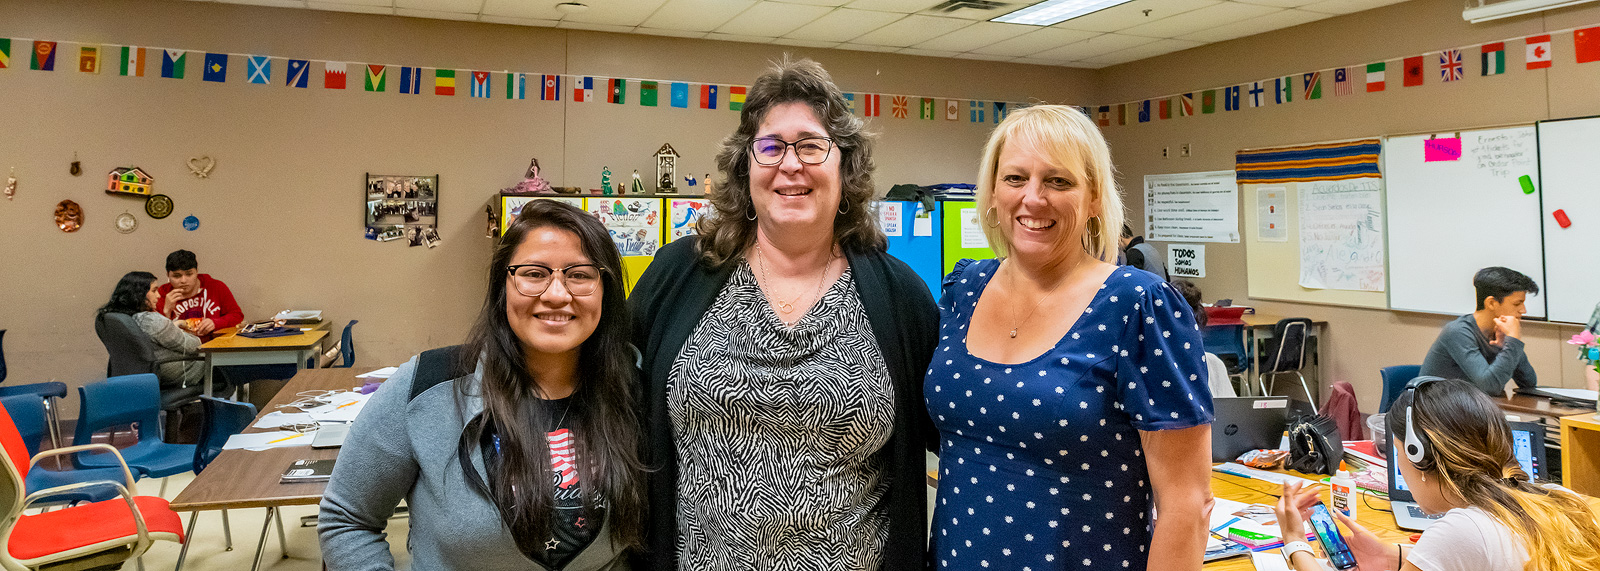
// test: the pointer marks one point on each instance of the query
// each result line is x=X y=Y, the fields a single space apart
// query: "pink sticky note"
x=1441 y=150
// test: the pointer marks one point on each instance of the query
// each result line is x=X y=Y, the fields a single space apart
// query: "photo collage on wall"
x=403 y=208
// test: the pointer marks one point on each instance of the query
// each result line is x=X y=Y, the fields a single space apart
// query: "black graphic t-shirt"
x=571 y=528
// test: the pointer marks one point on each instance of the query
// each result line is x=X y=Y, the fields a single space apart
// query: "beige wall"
x=1361 y=340
x=281 y=216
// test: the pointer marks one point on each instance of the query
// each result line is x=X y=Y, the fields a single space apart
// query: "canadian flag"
x=1539 y=52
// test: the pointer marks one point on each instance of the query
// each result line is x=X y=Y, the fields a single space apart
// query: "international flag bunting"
x=44 y=56
x=850 y=103
x=1413 y=72
x=680 y=95
x=5 y=53
x=1230 y=98
x=616 y=90
x=708 y=96
x=298 y=74
x=1539 y=52
x=1312 y=84
x=216 y=68
x=89 y=59
x=735 y=98
x=583 y=90
x=410 y=80
x=1102 y=116
x=647 y=93
x=1186 y=105
x=1258 y=94
x=1450 y=68
x=377 y=77
x=1122 y=113
x=444 y=82
x=517 y=86
x=480 y=85
x=899 y=106
x=1586 y=44
x=259 y=68
x=1164 y=108
x=925 y=109
x=975 y=112
x=174 y=63
x=1494 y=58
x=1000 y=111
x=1208 y=101
x=1375 y=77
x=1344 y=82
x=872 y=104
x=1144 y=111
x=550 y=88
x=335 y=74
x=1282 y=90
x=952 y=110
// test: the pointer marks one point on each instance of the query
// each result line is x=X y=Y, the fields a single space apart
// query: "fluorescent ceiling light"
x=1053 y=11
x=1484 y=12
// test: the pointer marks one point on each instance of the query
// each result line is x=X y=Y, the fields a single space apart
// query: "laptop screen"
x=1523 y=436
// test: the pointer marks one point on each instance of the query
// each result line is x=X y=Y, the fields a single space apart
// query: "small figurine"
x=708 y=184
x=531 y=183
x=638 y=183
x=11 y=185
x=666 y=168
x=76 y=168
x=493 y=222
x=690 y=180
x=129 y=180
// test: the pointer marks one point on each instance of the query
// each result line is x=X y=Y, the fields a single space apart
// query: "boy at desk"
x=201 y=303
x=1485 y=347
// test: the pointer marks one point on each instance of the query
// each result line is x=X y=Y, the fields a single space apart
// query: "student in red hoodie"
x=190 y=296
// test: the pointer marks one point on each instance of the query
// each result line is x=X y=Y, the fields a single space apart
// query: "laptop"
x=1250 y=423
x=1527 y=443
x=330 y=435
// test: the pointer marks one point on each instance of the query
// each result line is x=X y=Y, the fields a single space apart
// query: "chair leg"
x=227 y=532
x=1261 y=382
x=54 y=418
x=261 y=542
x=163 y=492
x=1307 y=388
x=283 y=540
x=188 y=537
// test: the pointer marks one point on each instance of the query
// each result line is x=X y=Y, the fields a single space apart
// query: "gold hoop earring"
x=1095 y=225
x=992 y=217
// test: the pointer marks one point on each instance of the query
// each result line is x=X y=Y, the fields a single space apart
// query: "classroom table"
x=1252 y=491
x=227 y=348
x=1580 y=455
x=239 y=479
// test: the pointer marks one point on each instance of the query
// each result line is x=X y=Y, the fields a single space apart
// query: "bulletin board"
x=963 y=234
x=898 y=220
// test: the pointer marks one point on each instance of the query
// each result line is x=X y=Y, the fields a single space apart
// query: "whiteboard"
x=1448 y=219
x=1569 y=164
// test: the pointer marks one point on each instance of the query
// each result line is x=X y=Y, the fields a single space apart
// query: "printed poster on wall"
x=635 y=223
x=686 y=213
x=1191 y=207
x=972 y=230
x=891 y=218
x=511 y=206
x=1341 y=235
x=1273 y=221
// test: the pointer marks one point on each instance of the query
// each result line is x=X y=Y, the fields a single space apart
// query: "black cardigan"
x=668 y=303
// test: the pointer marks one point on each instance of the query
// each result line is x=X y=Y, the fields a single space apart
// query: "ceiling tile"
x=912 y=30
x=901 y=6
x=867 y=48
x=571 y=25
x=522 y=9
x=927 y=53
x=804 y=43
x=967 y=12
x=772 y=19
x=1279 y=3
x=1149 y=50
x=382 y=3
x=843 y=24
x=1095 y=46
x=435 y=14
x=976 y=36
x=358 y=8
x=985 y=57
x=464 y=6
x=721 y=37
x=696 y=15
x=1347 y=6
x=615 y=12
x=669 y=33
x=1034 y=42
x=1253 y=26
x=518 y=21
x=1132 y=14
x=1197 y=20
x=828 y=3
x=272 y=3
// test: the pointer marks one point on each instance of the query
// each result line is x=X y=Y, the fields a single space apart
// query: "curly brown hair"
x=729 y=231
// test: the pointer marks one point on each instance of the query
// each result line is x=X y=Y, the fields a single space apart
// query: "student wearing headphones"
x=1455 y=452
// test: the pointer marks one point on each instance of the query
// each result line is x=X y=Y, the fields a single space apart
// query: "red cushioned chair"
x=87 y=535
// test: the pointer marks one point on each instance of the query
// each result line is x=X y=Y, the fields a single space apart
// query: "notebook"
x=308 y=471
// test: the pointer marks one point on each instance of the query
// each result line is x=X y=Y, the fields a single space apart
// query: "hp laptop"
x=1250 y=423
x=1527 y=443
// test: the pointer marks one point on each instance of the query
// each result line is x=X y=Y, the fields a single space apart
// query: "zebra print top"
x=779 y=431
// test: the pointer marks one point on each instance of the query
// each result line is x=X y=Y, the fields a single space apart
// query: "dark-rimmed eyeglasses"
x=768 y=151
x=533 y=279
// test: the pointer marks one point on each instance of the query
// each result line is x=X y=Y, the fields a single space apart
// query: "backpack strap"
x=436 y=366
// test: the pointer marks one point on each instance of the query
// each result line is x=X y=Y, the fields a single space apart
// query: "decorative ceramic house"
x=129 y=180
x=666 y=169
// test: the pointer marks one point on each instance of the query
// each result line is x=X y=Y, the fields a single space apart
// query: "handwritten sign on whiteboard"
x=1341 y=235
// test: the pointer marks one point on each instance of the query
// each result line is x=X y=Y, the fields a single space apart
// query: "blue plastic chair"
x=1226 y=340
x=1394 y=383
x=129 y=399
x=28 y=414
x=347 y=347
x=220 y=419
x=47 y=392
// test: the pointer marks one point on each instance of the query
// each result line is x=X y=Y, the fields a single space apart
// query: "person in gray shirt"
x=1140 y=254
x=1485 y=347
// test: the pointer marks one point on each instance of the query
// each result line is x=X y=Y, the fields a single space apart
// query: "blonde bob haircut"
x=1073 y=143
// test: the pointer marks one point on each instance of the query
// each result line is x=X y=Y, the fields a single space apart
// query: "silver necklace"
x=787 y=307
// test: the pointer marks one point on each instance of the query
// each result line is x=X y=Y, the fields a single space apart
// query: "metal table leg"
x=261 y=542
x=188 y=537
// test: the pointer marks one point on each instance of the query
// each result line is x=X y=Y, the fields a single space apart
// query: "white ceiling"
x=1133 y=31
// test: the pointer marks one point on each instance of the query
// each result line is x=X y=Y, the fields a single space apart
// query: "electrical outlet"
x=1183 y=151
x=1165 y=152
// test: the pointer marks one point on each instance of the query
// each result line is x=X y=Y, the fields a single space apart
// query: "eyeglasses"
x=533 y=279
x=768 y=151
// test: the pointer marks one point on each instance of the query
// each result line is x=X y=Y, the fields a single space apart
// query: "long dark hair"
x=605 y=426
x=726 y=234
x=129 y=295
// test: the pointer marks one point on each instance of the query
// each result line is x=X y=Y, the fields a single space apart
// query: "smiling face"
x=554 y=322
x=792 y=195
x=1041 y=207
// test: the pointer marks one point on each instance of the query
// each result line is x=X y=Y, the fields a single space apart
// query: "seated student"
x=1141 y=255
x=1216 y=370
x=136 y=295
x=1485 y=347
x=1455 y=452
x=193 y=295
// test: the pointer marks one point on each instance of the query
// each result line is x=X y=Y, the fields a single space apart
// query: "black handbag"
x=1314 y=445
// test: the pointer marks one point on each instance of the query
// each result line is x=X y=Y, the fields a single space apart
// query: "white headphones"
x=1416 y=450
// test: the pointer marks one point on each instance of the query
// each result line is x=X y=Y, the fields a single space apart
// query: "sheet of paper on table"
x=275 y=419
x=1575 y=394
x=1247 y=472
x=341 y=407
x=379 y=375
x=1269 y=561
x=267 y=440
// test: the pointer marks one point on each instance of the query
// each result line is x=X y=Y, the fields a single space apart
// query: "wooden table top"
x=1251 y=491
x=1585 y=421
x=1269 y=320
x=249 y=479
x=232 y=342
x=1541 y=406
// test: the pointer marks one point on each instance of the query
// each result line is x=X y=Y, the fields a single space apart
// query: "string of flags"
x=267 y=70
x=1446 y=66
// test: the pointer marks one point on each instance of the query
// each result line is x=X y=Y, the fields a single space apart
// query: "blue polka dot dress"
x=1040 y=464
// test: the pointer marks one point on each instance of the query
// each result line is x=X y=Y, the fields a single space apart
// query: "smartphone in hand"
x=1328 y=534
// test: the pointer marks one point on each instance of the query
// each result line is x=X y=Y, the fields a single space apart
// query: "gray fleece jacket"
x=403 y=446
x=1463 y=352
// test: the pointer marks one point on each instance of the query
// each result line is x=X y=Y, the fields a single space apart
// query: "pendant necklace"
x=787 y=307
x=1016 y=324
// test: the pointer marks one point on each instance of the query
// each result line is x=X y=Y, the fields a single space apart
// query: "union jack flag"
x=1450 y=65
x=562 y=459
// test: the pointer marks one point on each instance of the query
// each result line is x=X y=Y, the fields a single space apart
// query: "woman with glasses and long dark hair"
x=784 y=351
x=519 y=449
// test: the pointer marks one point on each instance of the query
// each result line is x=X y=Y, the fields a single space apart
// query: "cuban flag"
x=480 y=84
x=583 y=89
x=552 y=88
